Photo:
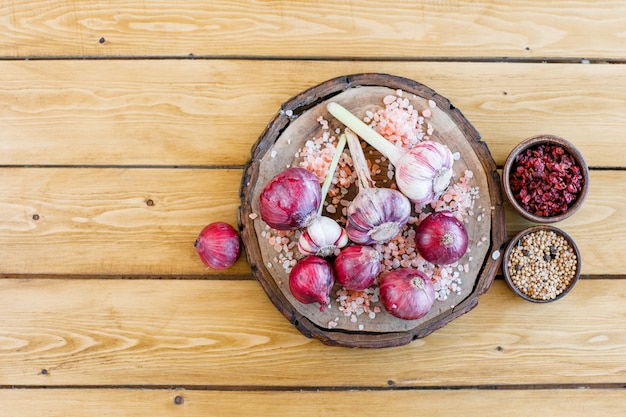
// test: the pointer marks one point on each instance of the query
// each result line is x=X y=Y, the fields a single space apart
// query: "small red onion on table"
x=441 y=238
x=407 y=293
x=311 y=280
x=357 y=267
x=423 y=172
x=218 y=245
x=291 y=199
x=375 y=215
x=323 y=236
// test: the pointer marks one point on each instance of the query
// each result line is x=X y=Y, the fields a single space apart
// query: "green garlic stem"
x=367 y=133
x=331 y=171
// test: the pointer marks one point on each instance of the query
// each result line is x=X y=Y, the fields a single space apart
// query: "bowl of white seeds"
x=541 y=264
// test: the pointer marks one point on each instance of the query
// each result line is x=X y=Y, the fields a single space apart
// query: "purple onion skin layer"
x=407 y=293
x=291 y=199
x=357 y=267
x=441 y=238
x=218 y=245
x=311 y=280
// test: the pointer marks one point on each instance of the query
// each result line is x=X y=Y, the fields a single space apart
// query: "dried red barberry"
x=545 y=180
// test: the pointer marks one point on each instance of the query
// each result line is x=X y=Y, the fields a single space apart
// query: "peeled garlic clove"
x=322 y=237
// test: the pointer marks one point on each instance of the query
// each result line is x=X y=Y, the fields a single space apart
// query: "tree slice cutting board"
x=278 y=148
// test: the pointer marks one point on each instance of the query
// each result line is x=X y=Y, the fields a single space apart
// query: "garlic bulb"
x=422 y=173
x=427 y=173
x=375 y=215
x=323 y=237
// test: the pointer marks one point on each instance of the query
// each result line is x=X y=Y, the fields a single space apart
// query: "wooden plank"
x=185 y=112
x=225 y=334
x=98 y=222
x=486 y=28
x=139 y=403
x=112 y=221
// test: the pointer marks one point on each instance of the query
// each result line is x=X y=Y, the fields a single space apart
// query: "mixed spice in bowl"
x=545 y=179
x=541 y=264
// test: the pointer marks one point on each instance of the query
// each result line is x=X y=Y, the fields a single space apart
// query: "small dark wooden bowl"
x=531 y=143
x=511 y=245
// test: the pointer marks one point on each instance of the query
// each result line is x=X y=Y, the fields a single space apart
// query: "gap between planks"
x=467 y=59
x=287 y=388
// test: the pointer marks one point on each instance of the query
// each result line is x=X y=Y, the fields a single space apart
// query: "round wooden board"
x=276 y=149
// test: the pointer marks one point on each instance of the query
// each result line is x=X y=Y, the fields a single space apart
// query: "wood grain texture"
x=220 y=334
x=140 y=403
x=185 y=112
x=407 y=29
x=112 y=221
x=98 y=222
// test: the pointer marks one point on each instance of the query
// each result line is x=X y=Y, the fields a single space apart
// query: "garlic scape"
x=423 y=172
x=375 y=215
x=324 y=236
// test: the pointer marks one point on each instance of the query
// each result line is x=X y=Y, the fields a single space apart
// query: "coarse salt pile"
x=399 y=122
x=355 y=303
x=284 y=243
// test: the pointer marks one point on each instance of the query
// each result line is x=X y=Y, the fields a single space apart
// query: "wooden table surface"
x=124 y=129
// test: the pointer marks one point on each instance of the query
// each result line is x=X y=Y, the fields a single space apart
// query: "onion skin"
x=357 y=267
x=407 y=293
x=291 y=199
x=218 y=245
x=441 y=238
x=311 y=280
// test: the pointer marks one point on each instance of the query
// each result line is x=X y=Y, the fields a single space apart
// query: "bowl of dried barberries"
x=541 y=264
x=545 y=179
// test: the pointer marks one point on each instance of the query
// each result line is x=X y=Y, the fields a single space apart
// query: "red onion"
x=357 y=267
x=311 y=280
x=291 y=199
x=441 y=239
x=422 y=173
x=407 y=293
x=218 y=245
